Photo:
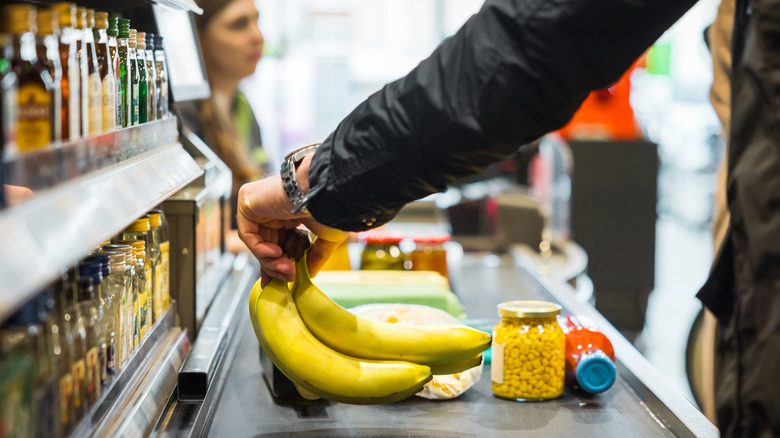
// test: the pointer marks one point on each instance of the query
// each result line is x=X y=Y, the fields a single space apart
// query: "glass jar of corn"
x=528 y=352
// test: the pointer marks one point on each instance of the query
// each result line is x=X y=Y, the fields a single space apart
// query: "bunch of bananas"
x=331 y=353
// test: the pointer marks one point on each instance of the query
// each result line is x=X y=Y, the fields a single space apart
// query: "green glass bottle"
x=143 y=78
x=112 y=32
x=135 y=77
x=125 y=81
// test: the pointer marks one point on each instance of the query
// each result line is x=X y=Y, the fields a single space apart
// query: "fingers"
x=320 y=252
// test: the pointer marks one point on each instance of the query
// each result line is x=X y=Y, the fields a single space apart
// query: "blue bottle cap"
x=596 y=372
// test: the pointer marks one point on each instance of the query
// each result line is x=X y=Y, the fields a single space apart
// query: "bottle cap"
x=150 y=41
x=131 y=41
x=140 y=225
x=81 y=18
x=104 y=260
x=437 y=238
x=113 y=26
x=595 y=372
x=101 y=20
x=158 y=42
x=26 y=315
x=528 y=309
x=155 y=220
x=140 y=39
x=66 y=14
x=18 y=18
x=48 y=22
x=123 y=28
x=92 y=270
x=90 y=23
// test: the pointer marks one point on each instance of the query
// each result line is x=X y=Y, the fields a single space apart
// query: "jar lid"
x=528 y=309
x=439 y=238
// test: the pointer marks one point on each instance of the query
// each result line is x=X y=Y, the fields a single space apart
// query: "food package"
x=441 y=387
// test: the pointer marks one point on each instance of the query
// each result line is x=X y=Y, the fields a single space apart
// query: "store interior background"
x=323 y=57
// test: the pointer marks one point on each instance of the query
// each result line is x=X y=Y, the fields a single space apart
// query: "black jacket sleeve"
x=515 y=71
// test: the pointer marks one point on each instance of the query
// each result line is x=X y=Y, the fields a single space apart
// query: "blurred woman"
x=232 y=45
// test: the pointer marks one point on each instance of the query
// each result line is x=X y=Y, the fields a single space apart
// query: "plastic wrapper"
x=441 y=387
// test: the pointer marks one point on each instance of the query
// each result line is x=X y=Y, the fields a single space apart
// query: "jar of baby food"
x=528 y=362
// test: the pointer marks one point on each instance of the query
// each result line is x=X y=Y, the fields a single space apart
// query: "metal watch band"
x=291 y=189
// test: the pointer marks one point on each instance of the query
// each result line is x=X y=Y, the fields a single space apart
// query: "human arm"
x=515 y=71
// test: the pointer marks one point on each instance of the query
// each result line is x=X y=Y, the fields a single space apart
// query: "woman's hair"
x=224 y=138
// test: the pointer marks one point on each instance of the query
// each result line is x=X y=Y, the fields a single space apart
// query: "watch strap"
x=297 y=198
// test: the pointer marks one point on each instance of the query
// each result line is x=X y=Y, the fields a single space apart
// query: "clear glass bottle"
x=118 y=283
x=48 y=50
x=70 y=83
x=128 y=302
x=76 y=327
x=140 y=230
x=158 y=305
x=94 y=82
x=106 y=68
x=36 y=89
x=46 y=404
x=18 y=341
x=140 y=301
x=106 y=341
x=528 y=351
x=135 y=76
x=112 y=32
x=161 y=68
x=63 y=290
x=165 y=261
x=151 y=71
x=90 y=276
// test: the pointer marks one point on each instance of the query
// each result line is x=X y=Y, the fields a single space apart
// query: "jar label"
x=497 y=362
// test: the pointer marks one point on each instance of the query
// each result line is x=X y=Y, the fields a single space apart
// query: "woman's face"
x=232 y=42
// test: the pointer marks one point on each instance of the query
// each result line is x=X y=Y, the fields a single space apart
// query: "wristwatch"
x=291 y=189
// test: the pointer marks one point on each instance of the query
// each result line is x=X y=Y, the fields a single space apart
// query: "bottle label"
x=95 y=91
x=102 y=365
x=110 y=367
x=165 y=288
x=92 y=370
x=136 y=321
x=158 y=300
x=134 y=104
x=109 y=103
x=497 y=364
x=34 y=126
x=79 y=372
x=66 y=392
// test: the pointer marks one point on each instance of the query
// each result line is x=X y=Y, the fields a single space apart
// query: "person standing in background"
x=232 y=45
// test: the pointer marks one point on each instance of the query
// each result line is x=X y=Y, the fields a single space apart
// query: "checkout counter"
x=239 y=402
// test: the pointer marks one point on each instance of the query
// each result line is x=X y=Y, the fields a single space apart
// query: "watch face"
x=298 y=154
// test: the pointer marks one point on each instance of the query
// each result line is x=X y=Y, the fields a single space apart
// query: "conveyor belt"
x=246 y=408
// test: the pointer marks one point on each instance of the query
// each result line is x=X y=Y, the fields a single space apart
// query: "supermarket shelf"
x=65 y=161
x=142 y=388
x=40 y=238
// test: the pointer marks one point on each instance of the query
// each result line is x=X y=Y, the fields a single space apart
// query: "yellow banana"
x=336 y=327
x=456 y=367
x=320 y=370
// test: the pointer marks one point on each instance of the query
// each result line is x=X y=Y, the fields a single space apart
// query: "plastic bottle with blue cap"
x=590 y=357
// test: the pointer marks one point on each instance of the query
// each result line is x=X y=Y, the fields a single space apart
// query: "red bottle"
x=590 y=358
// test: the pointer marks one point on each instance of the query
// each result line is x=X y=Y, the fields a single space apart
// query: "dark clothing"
x=515 y=71
x=519 y=69
x=744 y=288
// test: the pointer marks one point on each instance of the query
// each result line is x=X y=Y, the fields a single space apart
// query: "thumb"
x=319 y=253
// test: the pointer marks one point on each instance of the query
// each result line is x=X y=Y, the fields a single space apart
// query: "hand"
x=264 y=221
